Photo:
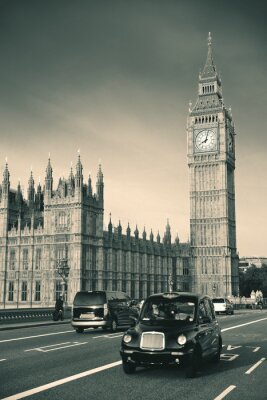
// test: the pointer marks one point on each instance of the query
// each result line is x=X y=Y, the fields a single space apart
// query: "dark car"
x=106 y=309
x=174 y=328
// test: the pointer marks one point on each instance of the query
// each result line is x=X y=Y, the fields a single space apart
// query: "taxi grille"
x=152 y=341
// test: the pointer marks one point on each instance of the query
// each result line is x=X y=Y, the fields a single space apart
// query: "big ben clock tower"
x=211 y=161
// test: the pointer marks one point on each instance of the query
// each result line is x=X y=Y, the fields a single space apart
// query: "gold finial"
x=209 y=39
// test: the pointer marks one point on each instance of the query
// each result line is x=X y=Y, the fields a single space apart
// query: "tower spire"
x=209 y=69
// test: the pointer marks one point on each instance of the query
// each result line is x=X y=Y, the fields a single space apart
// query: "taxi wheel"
x=79 y=330
x=216 y=358
x=114 y=325
x=193 y=367
x=128 y=368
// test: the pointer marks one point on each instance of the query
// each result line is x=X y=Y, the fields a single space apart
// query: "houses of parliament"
x=63 y=225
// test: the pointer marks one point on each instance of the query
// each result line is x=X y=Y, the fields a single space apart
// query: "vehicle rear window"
x=89 y=298
x=218 y=300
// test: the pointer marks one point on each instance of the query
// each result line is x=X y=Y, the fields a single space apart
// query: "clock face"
x=206 y=140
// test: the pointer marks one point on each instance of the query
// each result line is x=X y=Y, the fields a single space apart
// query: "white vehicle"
x=222 y=305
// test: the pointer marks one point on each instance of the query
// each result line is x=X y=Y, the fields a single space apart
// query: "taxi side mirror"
x=133 y=320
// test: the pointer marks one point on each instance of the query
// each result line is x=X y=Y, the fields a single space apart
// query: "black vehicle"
x=173 y=328
x=106 y=309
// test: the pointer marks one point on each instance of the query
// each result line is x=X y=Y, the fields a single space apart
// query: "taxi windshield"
x=177 y=309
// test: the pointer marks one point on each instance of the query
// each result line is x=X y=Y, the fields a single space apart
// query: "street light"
x=63 y=270
x=170 y=281
x=214 y=287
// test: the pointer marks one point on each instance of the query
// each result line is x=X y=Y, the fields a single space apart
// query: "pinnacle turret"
x=89 y=188
x=31 y=191
x=144 y=233
x=100 y=184
x=79 y=174
x=5 y=182
x=49 y=178
x=110 y=226
x=136 y=232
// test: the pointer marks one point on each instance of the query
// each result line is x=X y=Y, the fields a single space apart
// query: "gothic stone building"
x=65 y=225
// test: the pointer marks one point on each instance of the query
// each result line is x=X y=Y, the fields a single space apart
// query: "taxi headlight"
x=181 y=339
x=127 y=338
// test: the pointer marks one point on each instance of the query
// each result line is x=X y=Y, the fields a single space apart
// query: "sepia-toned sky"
x=114 y=79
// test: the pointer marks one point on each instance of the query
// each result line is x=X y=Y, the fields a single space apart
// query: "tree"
x=253 y=279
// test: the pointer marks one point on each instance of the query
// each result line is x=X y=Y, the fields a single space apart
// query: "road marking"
x=230 y=347
x=52 y=347
x=3 y=359
x=247 y=323
x=71 y=344
x=35 y=336
x=229 y=357
x=255 y=366
x=113 y=337
x=253 y=347
x=225 y=392
x=110 y=336
x=71 y=378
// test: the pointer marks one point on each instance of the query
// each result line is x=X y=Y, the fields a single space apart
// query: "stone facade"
x=60 y=226
x=65 y=225
x=211 y=160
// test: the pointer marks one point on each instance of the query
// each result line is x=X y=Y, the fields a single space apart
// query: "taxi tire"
x=128 y=368
x=79 y=330
x=193 y=367
x=114 y=325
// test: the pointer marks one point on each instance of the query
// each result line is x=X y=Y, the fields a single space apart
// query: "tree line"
x=253 y=279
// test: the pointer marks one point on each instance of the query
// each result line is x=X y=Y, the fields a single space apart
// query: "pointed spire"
x=19 y=198
x=100 y=174
x=167 y=236
x=79 y=175
x=49 y=170
x=31 y=191
x=79 y=166
x=151 y=236
x=90 y=190
x=158 y=238
x=128 y=232
x=110 y=226
x=100 y=184
x=6 y=174
x=5 y=182
x=136 y=232
x=209 y=69
x=144 y=233
x=119 y=229
x=49 y=179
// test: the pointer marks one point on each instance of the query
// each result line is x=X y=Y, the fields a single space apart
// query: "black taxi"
x=178 y=328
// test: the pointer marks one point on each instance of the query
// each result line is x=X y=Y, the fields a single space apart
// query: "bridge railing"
x=29 y=314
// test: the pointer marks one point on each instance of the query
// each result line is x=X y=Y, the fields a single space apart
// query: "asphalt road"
x=54 y=362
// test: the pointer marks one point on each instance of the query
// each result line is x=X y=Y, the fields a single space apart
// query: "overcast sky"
x=114 y=79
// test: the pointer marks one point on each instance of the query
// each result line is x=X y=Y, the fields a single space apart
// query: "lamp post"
x=170 y=282
x=63 y=270
x=214 y=287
